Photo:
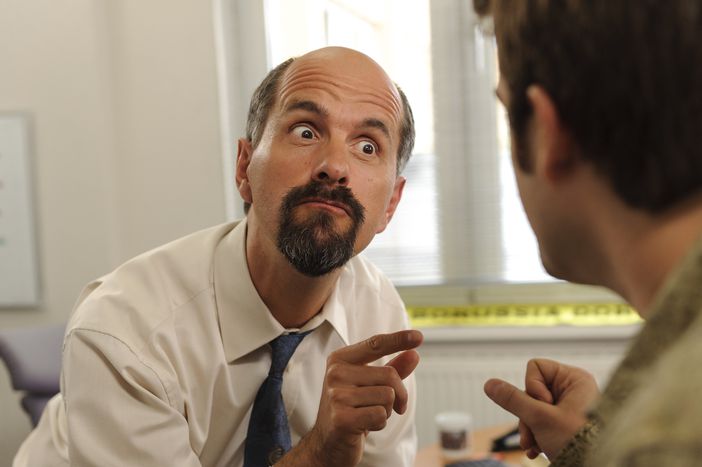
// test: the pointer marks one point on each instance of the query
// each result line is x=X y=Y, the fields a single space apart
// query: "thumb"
x=511 y=399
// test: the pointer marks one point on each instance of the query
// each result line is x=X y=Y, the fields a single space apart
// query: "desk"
x=430 y=456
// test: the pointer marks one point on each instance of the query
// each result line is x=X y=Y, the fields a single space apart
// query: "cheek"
x=267 y=187
x=375 y=197
x=270 y=173
x=528 y=204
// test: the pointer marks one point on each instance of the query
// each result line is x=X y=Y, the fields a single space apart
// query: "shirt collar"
x=245 y=321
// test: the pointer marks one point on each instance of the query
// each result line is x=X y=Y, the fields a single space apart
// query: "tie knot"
x=283 y=347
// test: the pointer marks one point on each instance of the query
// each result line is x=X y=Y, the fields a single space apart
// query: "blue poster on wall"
x=18 y=262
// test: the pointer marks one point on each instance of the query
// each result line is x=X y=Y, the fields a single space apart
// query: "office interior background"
x=133 y=109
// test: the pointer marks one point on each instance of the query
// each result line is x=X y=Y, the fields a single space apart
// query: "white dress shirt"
x=163 y=358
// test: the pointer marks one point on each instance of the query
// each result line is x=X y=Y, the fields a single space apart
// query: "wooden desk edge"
x=431 y=456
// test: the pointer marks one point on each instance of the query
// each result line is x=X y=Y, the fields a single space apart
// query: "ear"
x=394 y=201
x=243 y=159
x=552 y=144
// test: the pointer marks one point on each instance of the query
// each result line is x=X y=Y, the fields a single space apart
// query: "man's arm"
x=356 y=399
x=117 y=408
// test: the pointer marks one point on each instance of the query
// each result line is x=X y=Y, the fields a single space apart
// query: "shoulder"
x=371 y=299
x=667 y=399
x=141 y=294
x=663 y=407
x=367 y=277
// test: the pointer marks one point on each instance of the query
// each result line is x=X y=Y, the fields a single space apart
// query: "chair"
x=33 y=360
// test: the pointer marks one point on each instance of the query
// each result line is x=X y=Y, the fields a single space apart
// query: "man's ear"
x=552 y=143
x=394 y=201
x=243 y=159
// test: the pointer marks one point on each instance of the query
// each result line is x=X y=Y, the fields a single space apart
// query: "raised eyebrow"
x=309 y=106
x=375 y=123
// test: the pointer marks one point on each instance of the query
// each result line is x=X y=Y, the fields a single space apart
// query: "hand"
x=553 y=407
x=357 y=398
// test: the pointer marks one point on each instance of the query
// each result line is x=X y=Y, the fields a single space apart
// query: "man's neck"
x=292 y=297
x=645 y=249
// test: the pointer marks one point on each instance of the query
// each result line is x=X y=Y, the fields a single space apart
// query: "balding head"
x=331 y=63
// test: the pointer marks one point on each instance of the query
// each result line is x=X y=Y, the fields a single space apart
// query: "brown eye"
x=366 y=147
x=303 y=132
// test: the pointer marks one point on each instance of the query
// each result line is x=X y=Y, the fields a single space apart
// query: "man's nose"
x=333 y=168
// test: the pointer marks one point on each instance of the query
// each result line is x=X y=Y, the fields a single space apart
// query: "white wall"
x=126 y=140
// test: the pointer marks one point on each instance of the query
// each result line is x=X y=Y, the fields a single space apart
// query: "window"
x=460 y=220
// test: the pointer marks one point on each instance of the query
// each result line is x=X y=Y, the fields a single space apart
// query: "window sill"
x=513 y=334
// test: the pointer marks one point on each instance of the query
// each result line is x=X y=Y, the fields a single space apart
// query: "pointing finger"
x=378 y=346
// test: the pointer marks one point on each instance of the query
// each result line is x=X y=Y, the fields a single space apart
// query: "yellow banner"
x=547 y=314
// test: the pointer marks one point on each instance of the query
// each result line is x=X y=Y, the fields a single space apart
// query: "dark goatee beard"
x=313 y=246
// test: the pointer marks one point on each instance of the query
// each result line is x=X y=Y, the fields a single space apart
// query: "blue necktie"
x=268 y=437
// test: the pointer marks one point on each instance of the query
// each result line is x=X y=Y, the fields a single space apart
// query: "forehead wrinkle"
x=316 y=77
x=306 y=104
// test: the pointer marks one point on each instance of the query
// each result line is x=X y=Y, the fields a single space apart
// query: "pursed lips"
x=329 y=202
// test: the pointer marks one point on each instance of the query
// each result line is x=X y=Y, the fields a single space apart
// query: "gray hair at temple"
x=264 y=97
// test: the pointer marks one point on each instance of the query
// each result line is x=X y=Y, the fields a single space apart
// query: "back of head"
x=626 y=79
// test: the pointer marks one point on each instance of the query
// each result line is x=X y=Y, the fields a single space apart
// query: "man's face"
x=323 y=178
x=556 y=189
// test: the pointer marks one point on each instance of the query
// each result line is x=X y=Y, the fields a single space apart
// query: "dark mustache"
x=315 y=189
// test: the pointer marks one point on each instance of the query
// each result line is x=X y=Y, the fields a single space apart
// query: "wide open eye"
x=303 y=132
x=366 y=147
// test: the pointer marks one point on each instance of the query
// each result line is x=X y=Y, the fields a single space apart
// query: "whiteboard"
x=18 y=262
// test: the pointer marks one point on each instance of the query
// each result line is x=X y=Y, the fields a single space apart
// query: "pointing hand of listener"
x=357 y=398
x=552 y=408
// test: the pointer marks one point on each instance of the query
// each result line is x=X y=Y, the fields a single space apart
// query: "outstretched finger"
x=378 y=346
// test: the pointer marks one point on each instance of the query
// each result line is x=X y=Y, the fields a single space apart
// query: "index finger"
x=538 y=379
x=378 y=346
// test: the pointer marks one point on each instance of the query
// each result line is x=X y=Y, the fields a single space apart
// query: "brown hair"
x=626 y=80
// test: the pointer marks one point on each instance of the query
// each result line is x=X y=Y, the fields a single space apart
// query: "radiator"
x=452 y=379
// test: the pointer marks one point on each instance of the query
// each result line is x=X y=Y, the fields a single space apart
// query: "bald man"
x=165 y=359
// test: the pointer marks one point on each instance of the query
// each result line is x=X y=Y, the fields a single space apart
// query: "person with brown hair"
x=605 y=109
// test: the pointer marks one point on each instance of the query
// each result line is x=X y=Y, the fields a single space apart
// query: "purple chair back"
x=33 y=360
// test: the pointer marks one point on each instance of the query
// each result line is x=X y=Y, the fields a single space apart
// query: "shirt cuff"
x=574 y=453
